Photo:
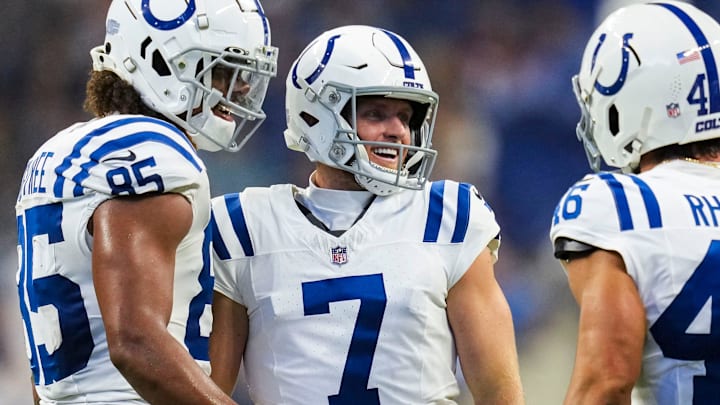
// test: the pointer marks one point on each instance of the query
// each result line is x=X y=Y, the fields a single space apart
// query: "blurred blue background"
x=506 y=123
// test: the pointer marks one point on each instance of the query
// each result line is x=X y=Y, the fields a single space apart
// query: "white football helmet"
x=648 y=79
x=170 y=51
x=336 y=68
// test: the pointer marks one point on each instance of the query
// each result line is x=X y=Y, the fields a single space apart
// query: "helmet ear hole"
x=629 y=147
x=614 y=120
x=159 y=65
x=309 y=119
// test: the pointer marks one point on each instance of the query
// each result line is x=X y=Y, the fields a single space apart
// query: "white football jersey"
x=665 y=225
x=66 y=179
x=355 y=319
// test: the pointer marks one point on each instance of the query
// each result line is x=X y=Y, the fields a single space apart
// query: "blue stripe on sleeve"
x=621 y=202
x=435 y=210
x=217 y=241
x=125 y=143
x=651 y=203
x=237 y=218
x=76 y=153
x=462 y=218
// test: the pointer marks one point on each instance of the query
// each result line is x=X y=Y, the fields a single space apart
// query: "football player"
x=364 y=286
x=113 y=280
x=641 y=247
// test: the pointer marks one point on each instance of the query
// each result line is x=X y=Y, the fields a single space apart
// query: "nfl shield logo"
x=673 y=110
x=339 y=255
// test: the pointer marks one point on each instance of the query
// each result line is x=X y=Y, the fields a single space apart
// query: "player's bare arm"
x=611 y=331
x=227 y=341
x=135 y=240
x=484 y=336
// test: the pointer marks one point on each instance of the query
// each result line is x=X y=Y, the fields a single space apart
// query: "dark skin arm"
x=611 y=332
x=134 y=246
x=227 y=341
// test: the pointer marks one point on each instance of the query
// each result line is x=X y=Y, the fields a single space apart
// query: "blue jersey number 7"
x=370 y=290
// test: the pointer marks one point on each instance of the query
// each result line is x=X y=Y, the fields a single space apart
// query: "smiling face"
x=218 y=116
x=381 y=119
x=222 y=77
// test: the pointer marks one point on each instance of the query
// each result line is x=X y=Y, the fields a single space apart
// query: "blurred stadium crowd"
x=506 y=124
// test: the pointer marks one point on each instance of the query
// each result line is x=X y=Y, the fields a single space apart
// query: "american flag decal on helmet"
x=338 y=255
x=688 y=56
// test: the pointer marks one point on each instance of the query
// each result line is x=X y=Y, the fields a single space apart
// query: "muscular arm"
x=482 y=325
x=227 y=341
x=611 y=331
x=134 y=246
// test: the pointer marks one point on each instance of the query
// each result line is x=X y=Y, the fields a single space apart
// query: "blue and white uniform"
x=358 y=318
x=67 y=178
x=665 y=223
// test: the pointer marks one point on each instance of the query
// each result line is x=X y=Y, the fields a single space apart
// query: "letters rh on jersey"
x=705 y=209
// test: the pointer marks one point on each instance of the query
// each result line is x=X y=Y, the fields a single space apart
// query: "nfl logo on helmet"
x=673 y=110
x=339 y=255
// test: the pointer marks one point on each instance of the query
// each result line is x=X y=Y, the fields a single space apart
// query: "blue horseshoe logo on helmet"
x=167 y=25
x=615 y=87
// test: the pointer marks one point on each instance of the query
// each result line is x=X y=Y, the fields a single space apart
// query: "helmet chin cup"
x=382 y=180
x=375 y=186
x=223 y=130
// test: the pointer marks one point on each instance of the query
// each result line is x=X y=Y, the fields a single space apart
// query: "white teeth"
x=386 y=151
x=222 y=109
